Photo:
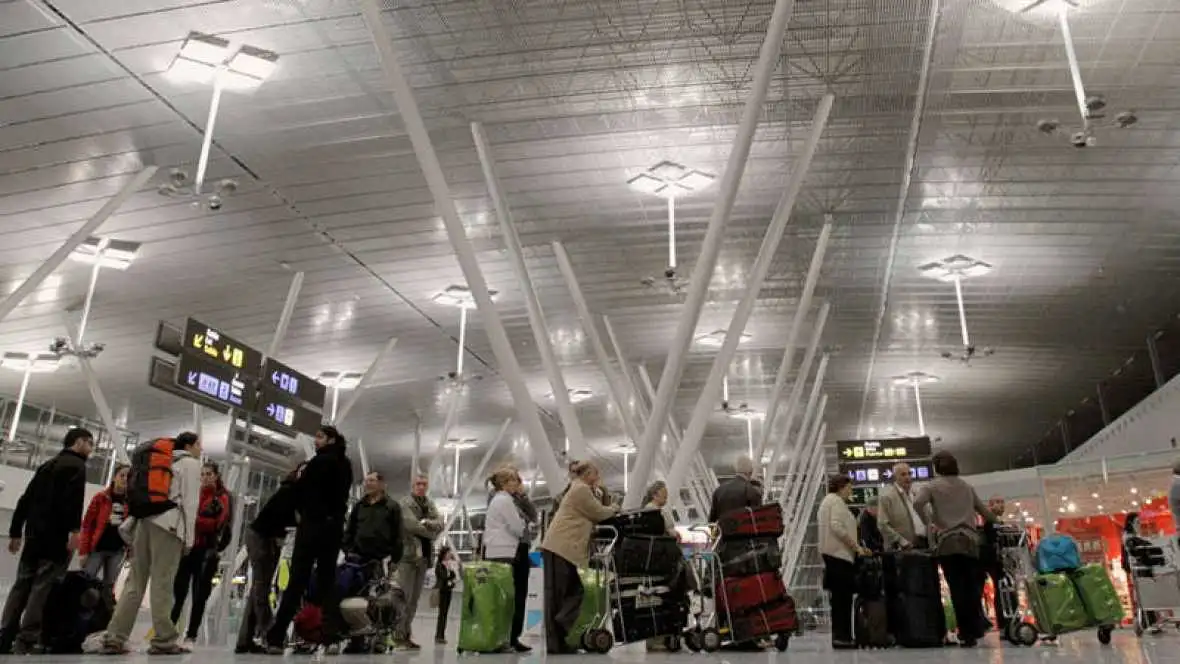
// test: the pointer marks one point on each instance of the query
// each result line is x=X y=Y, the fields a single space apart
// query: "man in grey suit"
x=896 y=517
x=421 y=524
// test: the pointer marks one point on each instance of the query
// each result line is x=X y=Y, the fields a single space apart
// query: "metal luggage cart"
x=1020 y=560
x=599 y=636
x=1014 y=552
x=1155 y=590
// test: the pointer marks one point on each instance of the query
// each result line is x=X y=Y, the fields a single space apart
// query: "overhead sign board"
x=215 y=381
x=277 y=410
x=219 y=348
x=162 y=376
x=292 y=384
x=875 y=473
x=890 y=449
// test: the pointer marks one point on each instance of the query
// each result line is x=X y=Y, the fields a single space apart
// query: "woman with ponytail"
x=507 y=534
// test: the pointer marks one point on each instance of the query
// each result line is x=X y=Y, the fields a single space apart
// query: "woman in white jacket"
x=506 y=538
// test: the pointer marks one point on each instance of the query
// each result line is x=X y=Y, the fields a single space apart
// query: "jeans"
x=840 y=582
x=263 y=553
x=106 y=563
x=35 y=578
x=411 y=577
x=962 y=578
x=155 y=557
x=197 y=568
x=317 y=546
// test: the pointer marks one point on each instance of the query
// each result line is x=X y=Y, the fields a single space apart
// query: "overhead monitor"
x=219 y=348
x=888 y=449
x=281 y=378
x=216 y=381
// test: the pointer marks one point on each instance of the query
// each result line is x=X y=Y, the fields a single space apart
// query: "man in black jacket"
x=374 y=530
x=321 y=501
x=736 y=493
x=44 y=530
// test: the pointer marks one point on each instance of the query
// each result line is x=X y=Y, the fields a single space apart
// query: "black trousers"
x=36 y=575
x=444 y=607
x=197 y=569
x=962 y=578
x=840 y=582
x=520 y=586
x=563 y=599
x=317 y=546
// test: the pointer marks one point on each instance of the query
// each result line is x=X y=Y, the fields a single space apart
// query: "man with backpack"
x=44 y=530
x=163 y=497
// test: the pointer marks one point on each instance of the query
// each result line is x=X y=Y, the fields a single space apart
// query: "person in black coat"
x=44 y=531
x=739 y=492
x=321 y=501
x=446 y=575
x=868 y=531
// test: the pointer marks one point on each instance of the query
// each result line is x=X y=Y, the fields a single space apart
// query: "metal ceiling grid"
x=576 y=97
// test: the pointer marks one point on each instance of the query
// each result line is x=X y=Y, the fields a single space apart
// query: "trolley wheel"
x=1104 y=635
x=692 y=640
x=672 y=643
x=1026 y=634
x=599 y=641
x=782 y=641
x=710 y=640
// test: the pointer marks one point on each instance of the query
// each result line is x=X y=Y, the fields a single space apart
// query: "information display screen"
x=281 y=378
x=875 y=473
x=890 y=449
x=280 y=409
x=220 y=383
x=217 y=347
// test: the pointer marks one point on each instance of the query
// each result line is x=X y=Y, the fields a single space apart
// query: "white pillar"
x=363 y=454
x=363 y=383
x=706 y=262
x=285 y=317
x=565 y=409
x=801 y=311
x=74 y=241
x=415 y=128
x=20 y=400
x=799 y=440
x=415 y=460
x=810 y=485
x=815 y=413
x=100 y=401
x=778 y=224
x=239 y=480
x=797 y=388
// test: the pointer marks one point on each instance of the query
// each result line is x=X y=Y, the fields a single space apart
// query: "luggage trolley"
x=1155 y=587
x=596 y=635
x=705 y=567
x=1015 y=555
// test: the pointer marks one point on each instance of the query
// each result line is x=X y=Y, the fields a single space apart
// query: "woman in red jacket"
x=199 y=565
x=101 y=546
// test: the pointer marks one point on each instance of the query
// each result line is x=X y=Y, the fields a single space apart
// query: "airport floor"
x=810 y=649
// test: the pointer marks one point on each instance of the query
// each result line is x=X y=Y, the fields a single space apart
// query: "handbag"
x=958 y=541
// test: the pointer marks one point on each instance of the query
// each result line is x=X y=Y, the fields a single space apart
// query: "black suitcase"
x=870 y=623
x=917 y=622
x=632 y=625
x=78 y=606
x=870 y=578
x=640 y=593
x=747 y=557
x=653 y=555
x=638 y=522
x=916 y=574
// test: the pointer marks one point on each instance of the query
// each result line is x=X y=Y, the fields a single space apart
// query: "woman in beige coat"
x=566 y=547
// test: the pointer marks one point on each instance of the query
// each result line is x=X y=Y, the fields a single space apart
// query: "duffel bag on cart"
x=744 y=593
x=745 y=557
x=649 y=555
x=631 y=625
x=638 y=522
x=764 y=521
x=776 y=618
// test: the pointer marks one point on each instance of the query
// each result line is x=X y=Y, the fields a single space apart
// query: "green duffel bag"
x=485 y=616
x=1099 y=597
x=595 y=584
x=1056 y=604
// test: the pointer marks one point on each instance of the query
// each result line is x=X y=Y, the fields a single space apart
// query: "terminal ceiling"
x=576 y=98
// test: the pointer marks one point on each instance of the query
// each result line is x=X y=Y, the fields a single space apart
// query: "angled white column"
x=565 y=409
x=239 y=478
x=817 y=333
x=614 y=384
x=479 y=471
x=444 y=205
x=276 y=342
x=813 y=481
x=801 y=311
x=100 y=400
x=706 y=262
x=800 y=440
x=364 y=455
x=74 y=241
x=198 y=420
x=778 y=224
x=363 y=383
x=415 y=459
x=700 y=496
x=448 y=424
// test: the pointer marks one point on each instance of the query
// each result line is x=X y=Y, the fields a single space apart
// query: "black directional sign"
x=280 y=378
x=283 y=413
x=888 y=449
x=217 y=347
x=215 y=381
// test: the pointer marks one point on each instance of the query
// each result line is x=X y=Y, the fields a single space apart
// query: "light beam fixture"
x=101 y=252
x=459 y=445
x=461 y=298
x=28 y=364
x=625 y=449
x=338 y=381
x=716 y=338
x=954 y=269
x=916 y=379
x=576 y=395
x=670 y=180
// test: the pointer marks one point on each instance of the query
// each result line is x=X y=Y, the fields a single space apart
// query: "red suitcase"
x=744 y=593
x=776 y=618
x=763 y=521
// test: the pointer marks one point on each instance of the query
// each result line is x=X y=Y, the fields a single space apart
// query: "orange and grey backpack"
x=149 y=482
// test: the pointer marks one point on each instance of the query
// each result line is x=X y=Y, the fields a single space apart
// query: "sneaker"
x=521 y=648
x=169 y=649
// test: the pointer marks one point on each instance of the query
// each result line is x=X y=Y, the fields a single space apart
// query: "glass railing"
x=38 y=435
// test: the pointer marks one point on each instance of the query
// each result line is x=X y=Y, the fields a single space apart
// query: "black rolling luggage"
x=648 y=608
x=638 y=522
x=870 y=612
x=648 y=555
x=77 y=607
x=747 y=557
x=915 y=610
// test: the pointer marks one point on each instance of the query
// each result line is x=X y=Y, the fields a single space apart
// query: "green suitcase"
x=948 y=610
x=1099 y=597
x=485 y=617
x=1056 y=605
x=595 y=584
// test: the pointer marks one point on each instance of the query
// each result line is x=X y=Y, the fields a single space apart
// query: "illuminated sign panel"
x=875 y=473
x=215 y=346
x=890 y=449
x=280 y=378
x=222 y=384
x=280 y=410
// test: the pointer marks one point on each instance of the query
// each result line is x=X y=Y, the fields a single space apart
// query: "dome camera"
x=177 y=177
x=1126 y=119
x=1095 y=103
x=227 y=187
x=1047 y=126
x=1079 y=139
x=215 y=202
x=670 y=273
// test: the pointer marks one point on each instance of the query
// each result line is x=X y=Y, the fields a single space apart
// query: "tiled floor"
x=1081 y=648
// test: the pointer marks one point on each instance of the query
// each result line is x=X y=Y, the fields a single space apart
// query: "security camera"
x=215 y=202
x=59 y=345
x=1047 y=126
x=1095 y=103
x=178 y=177
x=227 y=187
x=1126 y=119
x=670 y=273
x=97 y=347
x=724 y=405
x=1079 y=139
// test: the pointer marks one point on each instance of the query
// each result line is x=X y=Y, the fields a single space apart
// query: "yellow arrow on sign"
x=198 y=340
x=227 y=353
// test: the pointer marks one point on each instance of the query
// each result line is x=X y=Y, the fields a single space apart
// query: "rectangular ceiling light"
x=645 y=184
x=341 y=380
x=249 y=68
x=32 y=362
x=668 y=171
x=116 y=254
x=199 y=58
x=695 y=181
